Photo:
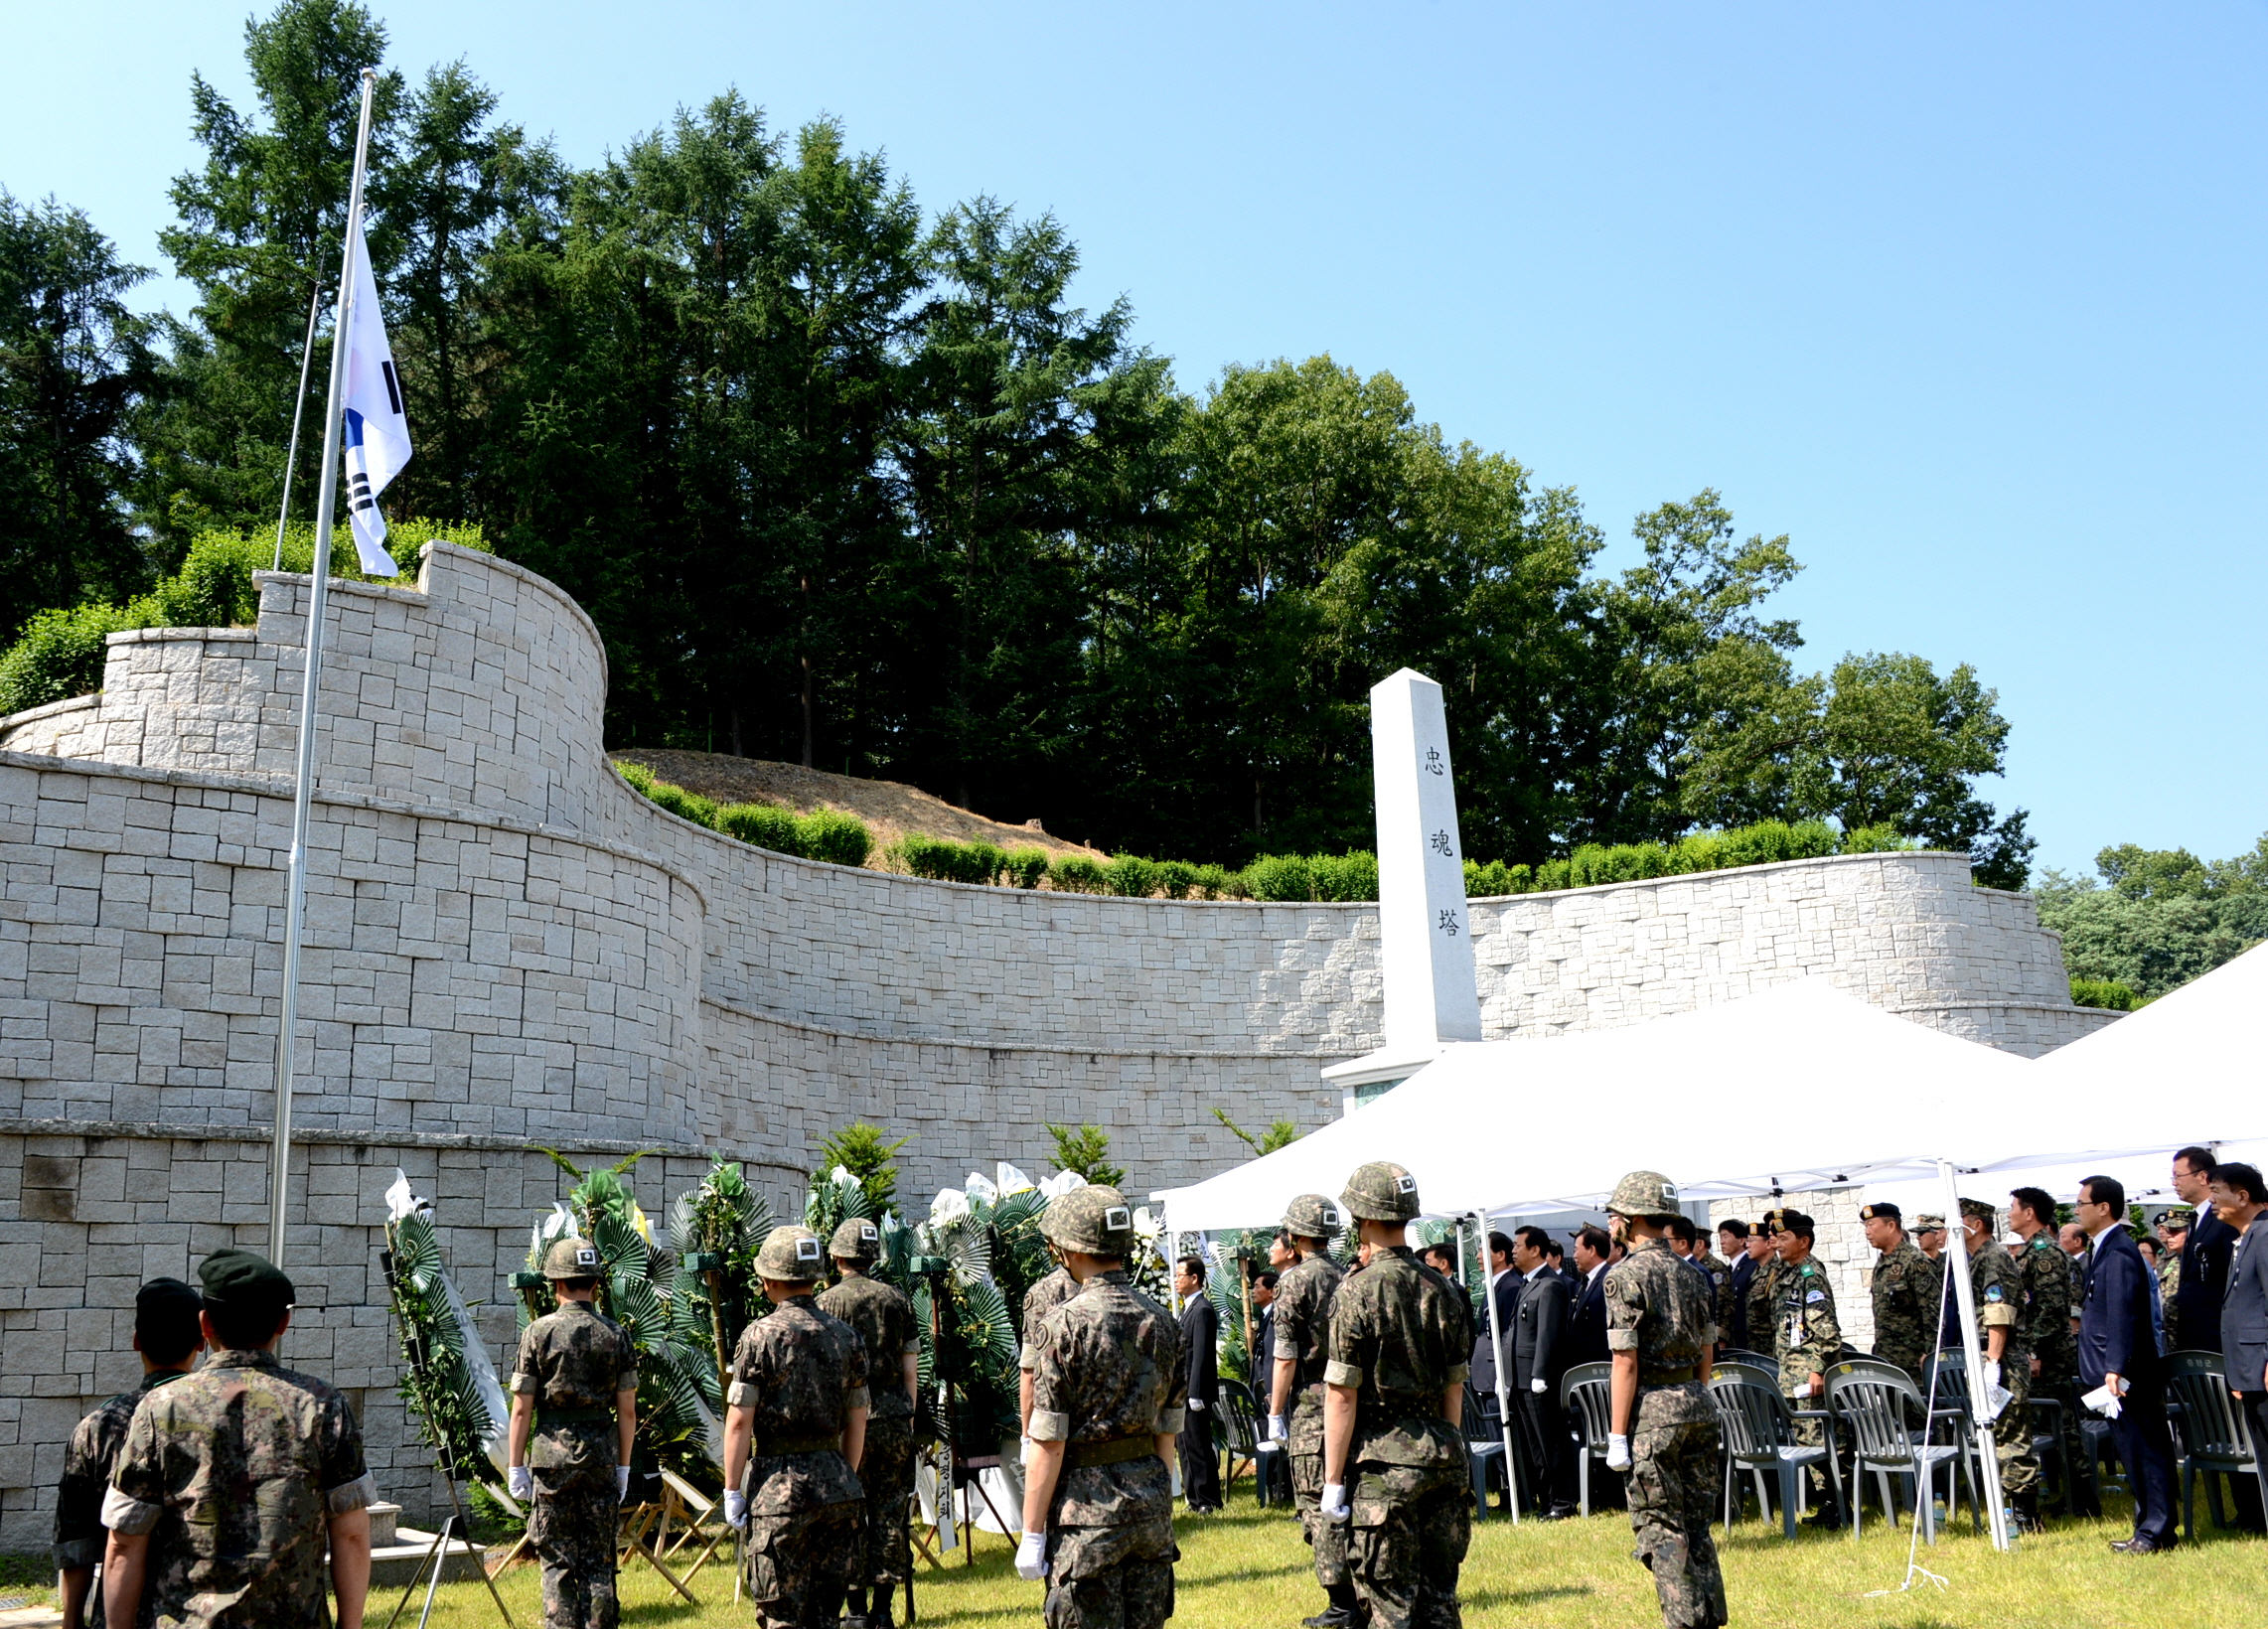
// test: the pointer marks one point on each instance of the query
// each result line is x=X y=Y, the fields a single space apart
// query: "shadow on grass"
x=1521 y=1597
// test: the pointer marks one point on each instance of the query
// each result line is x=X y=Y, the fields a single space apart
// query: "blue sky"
x=1967 y=300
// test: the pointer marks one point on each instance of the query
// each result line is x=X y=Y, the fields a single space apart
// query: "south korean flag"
x=377 y=432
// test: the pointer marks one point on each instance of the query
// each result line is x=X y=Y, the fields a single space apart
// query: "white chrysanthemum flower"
x=1146 y=1225
x=840 y=1176
x=949 y=1207
x=980 y=1190
x=1011 y=1180
x=1061 y=1183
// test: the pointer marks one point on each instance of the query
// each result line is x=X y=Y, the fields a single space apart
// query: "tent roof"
x=1800 y=1087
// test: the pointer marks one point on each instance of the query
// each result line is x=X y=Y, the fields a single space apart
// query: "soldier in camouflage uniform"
x=2047 y=1329
x=1906 y=1293
x=1720 y=1273
x=167 y=1336
x=574 y=1420
x=795 y=1432
x=1303 y=1295
x=1109 y=1387
x=1042 y=1299
x=1763 y=1287
x=1996 y=1284
x=1395 y=1461
x=235 y=1479
x=1806 y=1338
x=2173 y=1237
x=1661 y=1326
x=884 y=1319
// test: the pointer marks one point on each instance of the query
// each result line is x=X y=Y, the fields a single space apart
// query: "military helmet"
x=857 y=1239
x=790 y=1256
x=1381 y=1191
x=1311 y=1216
x=1094 y=1220
x=1645 y=1195
x=571 y=1257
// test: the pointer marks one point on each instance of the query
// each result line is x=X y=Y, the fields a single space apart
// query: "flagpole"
x=299 y=408
x=295 y=887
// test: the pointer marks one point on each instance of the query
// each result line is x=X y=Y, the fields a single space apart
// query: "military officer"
x=1906 y=1293
x=168 y=1339
x=1996 y=1284
x=1107 y=1390
x=795 y=1432
x=574 y=1420
x=1295 y=1408
x=1806 y=1337
x=235 y=1479
x=1763 y=1288
x=1395 y=1464
x=2047 y=1331
x=1720 y=1273
x=884 y=1319
x=1663 y=1434
x=1042 y=1299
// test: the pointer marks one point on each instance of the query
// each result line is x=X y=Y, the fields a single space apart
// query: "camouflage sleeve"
x=1624 y=1310
x=347 y=1481
x=2050 y=1298
x=137 y=1483
x=1050 y=1385
x=626 y=1376
x=1353 y=1347
x=78 y=1537
x=747 y=1370
x=525 y=1375
x=1290 y=1324
x=911 y=1347
x=1996 y=1305
x=854 y=1392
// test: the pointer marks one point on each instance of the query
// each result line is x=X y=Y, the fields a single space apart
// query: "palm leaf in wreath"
x=970 y=1250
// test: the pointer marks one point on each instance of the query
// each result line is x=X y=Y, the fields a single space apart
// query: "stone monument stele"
x=1425 y=932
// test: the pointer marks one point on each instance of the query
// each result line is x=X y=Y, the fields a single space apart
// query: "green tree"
x=866 y=1153
x=76 y=367
x=2154 y=919
x=1087 y=1151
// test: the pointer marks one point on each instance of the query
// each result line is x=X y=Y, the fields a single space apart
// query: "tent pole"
x=1973 y=1352
x=1503 y=1374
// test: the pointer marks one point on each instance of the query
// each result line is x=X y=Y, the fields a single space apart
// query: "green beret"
x=238 y=1278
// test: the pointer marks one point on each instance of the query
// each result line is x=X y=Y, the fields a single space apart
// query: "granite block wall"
x=508 y=946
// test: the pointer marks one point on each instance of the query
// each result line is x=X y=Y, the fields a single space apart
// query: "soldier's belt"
x=803 y=1444
x=1668 y=1377
x=573 y=1416
x=1123 y=1450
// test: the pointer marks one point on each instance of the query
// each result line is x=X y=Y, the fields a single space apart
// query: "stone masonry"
x=507 y=948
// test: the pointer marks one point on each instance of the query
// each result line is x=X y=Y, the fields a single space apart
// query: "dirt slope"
x=891 y=808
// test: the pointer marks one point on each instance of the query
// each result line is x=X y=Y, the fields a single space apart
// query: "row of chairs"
x=1896 y=1436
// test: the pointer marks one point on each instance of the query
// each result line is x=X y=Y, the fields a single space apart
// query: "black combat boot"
x=2028 y=1512
x=854 y=1608
x=1344 y=1612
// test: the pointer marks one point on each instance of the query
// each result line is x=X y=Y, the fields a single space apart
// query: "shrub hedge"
x=824 y=834
x=2103 y=992
x=61 y=652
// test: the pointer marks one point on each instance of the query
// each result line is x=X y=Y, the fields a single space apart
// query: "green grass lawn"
x=1248 y=1571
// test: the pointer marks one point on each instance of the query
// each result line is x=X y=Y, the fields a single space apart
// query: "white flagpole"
x=295 y=900
x=1973 y=1354
x=298 y=409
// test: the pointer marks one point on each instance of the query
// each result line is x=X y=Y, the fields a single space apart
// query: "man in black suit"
x=2118 y=1349
x=1588 y=1336
x=1540 y=1347
x=2241 y=1199
x=1732 y=1237
x=2204 y=1256
x=1200 y=1341
x=1504 y=1286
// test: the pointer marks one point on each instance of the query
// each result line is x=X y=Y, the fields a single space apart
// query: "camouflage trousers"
x=2012 y=1431
x=886 y=1473
x=571 y=1526
x=1410 y=1527
x=1327 y=1538
x=1676 y=1479
x=800 y=1565
x=1114 y=1577
x=1812 y=1433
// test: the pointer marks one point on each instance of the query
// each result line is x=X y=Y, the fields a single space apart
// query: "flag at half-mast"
x=377 y=432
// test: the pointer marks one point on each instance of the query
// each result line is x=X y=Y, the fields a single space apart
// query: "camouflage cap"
x=857 y=1239
x=1645 y=1195
x=571 y=1257
x=1381 y=1191
x=790 y=1256
x=1311 y=1216
x=1094 y=1220
x=1981 y=1208
x=241 y=1278
x=2179 y=1218
x=1884 y=1211
x=1928 y=1222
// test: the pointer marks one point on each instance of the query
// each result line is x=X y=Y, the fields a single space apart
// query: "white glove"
x=735 y=1508
x=1032 y=1558
x=1336 y=1508
x=1278 y=1428
x=519 y=1482
x=1617 y=1452
x=1024 y=1450
x=1992 y=1374
x=1197 y=1404
x=1539 y=1386
x=621 y=1483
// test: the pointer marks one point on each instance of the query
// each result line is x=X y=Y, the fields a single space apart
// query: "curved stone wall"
x=508 y=946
